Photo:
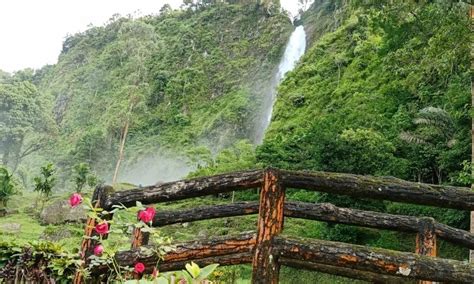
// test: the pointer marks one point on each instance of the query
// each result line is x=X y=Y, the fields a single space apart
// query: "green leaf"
x=206 y=271
x=193 y=269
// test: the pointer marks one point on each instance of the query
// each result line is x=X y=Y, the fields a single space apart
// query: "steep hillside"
x=176 y=81
x=386 y=93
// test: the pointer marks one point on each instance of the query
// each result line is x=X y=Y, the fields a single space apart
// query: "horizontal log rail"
x=387 y=188
x=320 y=212
x=192 y=251
x=376 y=260
x=355 y=261
x=344 y=272
x=184 y=189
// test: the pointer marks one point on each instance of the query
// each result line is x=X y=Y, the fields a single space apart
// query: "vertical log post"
x=87 y=247
x=139 y=238
x=270 y=223
x=426 y=241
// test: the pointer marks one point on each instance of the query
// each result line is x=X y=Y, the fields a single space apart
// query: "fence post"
x=87 y=247
x=426 y=241
x=139 y=238
x=270 y=223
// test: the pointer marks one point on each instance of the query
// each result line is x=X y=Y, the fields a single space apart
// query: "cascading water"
x=295 y=48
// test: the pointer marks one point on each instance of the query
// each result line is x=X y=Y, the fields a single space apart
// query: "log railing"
x=267 y=249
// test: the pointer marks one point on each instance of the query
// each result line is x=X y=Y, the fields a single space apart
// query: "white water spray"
x=295 y=48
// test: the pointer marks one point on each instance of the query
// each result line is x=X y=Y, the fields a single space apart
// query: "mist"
x=155 y=168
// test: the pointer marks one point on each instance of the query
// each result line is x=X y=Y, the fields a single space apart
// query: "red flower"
x=147 y=215
x=139 y=267
x=102 y=228
x=98 y=250
x=75 y=199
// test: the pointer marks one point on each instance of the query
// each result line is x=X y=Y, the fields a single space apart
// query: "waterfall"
x=295 y=48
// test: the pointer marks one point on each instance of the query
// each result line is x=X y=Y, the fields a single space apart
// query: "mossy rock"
x=60 y=212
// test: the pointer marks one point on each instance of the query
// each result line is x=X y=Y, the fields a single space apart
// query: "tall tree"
x=136 y=44
x=24 y=122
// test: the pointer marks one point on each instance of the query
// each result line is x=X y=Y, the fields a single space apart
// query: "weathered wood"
x=186 y=189
x=88 y=244
x=265 y=267
x=387 y=188
x=192 y=251
x=320 y=212
x=163 y=218
x=222 y=260
x=139 y=238
x=344 y=272
x=331 y=213
x=382 y=261
x=426 y=241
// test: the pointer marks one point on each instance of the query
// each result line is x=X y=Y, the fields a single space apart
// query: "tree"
x=136 y=43
x=24 y=122
x=8 y=187
x=83 y=176
x=44 y=183
x=435 y=132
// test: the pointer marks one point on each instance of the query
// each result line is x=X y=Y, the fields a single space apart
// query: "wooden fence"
x=266 y=250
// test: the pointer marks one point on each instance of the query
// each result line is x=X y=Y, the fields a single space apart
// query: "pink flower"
x=102 y=228
x=98 y=250
x=139 y=267
x=75 y=199
x=147 y=215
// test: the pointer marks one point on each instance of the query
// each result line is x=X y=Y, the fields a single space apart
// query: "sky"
x=32 y=31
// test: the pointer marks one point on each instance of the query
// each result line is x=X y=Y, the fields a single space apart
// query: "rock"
x=60 y=212
x=10 y=228
x=3 y=212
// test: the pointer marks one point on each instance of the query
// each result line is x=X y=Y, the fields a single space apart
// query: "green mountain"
x=175 y=81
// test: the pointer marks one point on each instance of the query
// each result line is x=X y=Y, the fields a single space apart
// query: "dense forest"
x=382 y=89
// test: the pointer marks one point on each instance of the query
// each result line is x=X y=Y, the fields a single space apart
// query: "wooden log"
x=320 y=212
x=191 y=251
x=222 y=260
x=163 y=218
x=386 y=188
x=88 y=244
x=382 y=261
x=426 y=241
x=186 y=189
x=265 y=267
x=139 y=238
x=343 y=271
x=331 y=213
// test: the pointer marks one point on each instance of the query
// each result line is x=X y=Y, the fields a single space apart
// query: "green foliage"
x=25 y=122
x=83 y=176
x=8 y=187
x=179 y=80
x=45 y=183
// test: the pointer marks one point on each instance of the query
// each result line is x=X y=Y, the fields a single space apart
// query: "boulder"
x=60 y=212
x=10 y=228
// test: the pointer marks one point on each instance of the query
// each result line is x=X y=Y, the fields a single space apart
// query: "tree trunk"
x=123 y=138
